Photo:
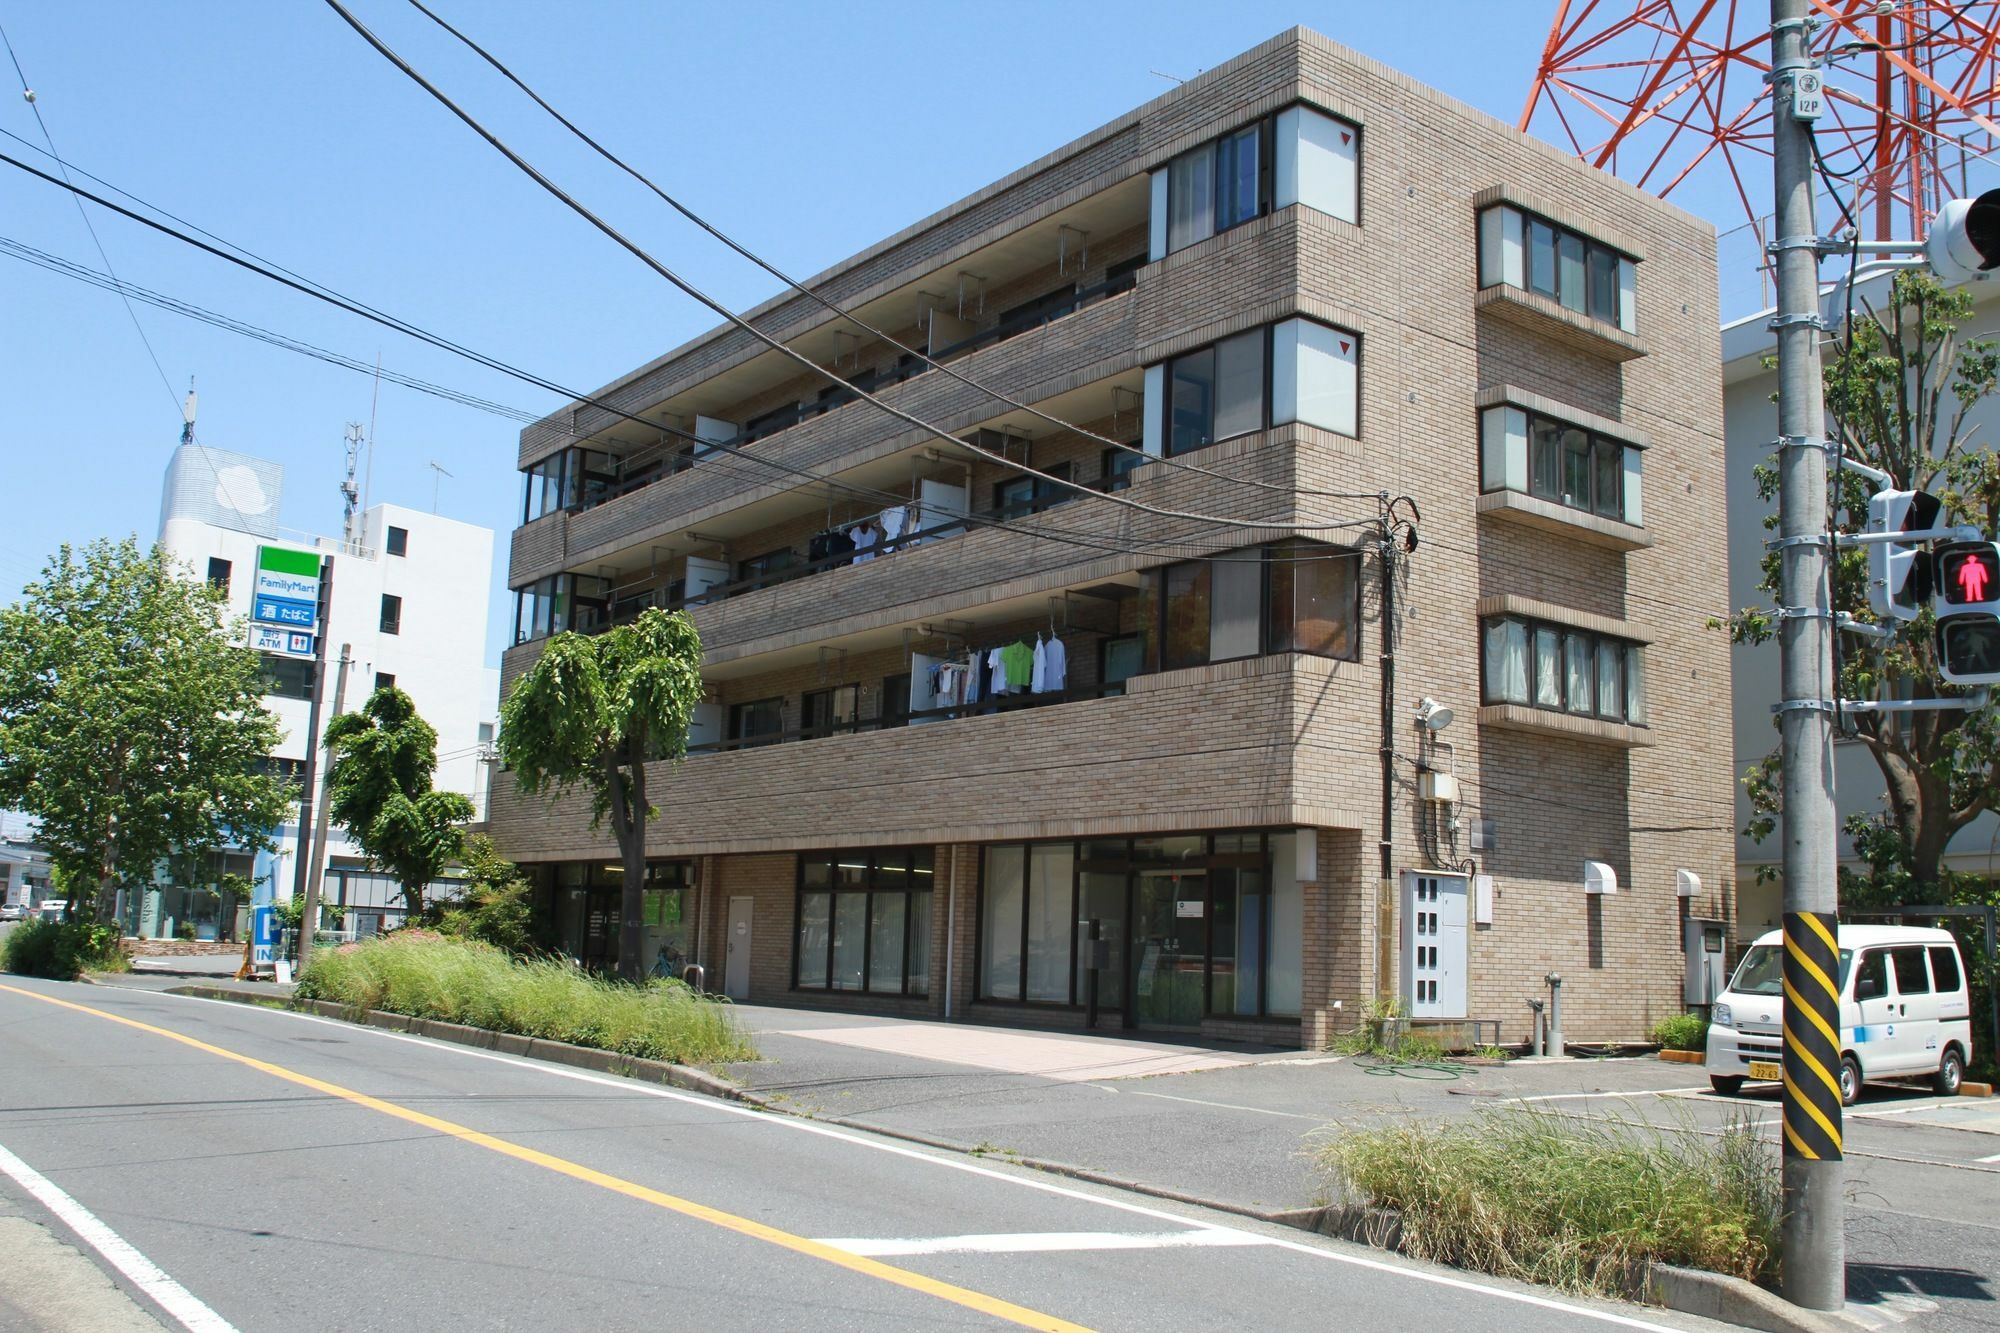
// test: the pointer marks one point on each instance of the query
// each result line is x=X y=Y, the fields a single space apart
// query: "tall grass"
x=458 y=981
x=1570 y=1203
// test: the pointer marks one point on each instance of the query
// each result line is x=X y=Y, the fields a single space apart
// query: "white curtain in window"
x=1049 y=882
x=1317 y=162
x=1000 y=923
x=1239 y=385
x=1548 y=669
x=1191 y=198
x=1507 y=661
x=1503 y=449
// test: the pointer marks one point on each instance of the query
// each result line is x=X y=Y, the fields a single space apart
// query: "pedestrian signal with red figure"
x=1966 y=598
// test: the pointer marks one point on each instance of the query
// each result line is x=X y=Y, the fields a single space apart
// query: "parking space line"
x=187 y=1309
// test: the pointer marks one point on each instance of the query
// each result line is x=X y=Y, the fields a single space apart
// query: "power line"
x=28 y=93
x=645 y=257
x=111 y=282
x=845 y=314
x=320 y=293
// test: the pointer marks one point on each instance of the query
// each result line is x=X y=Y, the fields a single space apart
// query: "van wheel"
x=1726 y=1084
x=1951 y=1073
x=1850 y=1080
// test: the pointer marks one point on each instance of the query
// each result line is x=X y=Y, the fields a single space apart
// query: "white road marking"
x=779 y=1120
x=1226 y=1106
x=1038 y=1242
x=1994 y=1158
x=140 y=1271
x=1593 y=1096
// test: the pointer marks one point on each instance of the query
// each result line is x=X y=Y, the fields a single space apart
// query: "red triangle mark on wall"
x=1343 y=344
x=1346 y=136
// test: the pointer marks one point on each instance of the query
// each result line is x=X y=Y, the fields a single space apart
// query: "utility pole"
x=309 y=918
x=1812 y=1239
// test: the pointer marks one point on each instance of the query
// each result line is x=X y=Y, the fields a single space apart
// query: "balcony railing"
x=646 y=466
x=1006 y=703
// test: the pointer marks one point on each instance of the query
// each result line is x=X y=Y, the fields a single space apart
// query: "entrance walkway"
x=1065 y=1057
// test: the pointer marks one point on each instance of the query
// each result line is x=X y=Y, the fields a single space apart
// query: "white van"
x=1905 y=1011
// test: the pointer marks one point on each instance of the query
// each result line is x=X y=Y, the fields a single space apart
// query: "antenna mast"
x=187 y=415
x=350 y=494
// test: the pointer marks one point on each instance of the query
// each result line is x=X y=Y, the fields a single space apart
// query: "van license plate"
x=1766 y=1070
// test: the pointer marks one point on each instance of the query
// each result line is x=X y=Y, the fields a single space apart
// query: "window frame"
x=1592 y=275
x=740 y=711
x=219 y=572
x=392 y=614
x=397 y=541
x=385 y=680
x=812 y=700
x=1631 y=685
x=1543 y=464
x=1156 y=588
x=919 y=865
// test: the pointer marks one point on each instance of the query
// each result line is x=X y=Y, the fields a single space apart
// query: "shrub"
x=495 y=907
x=1682 y=1032
x=184 y=930
x=62 y=950
x=461 y=981
x=1570 y=1203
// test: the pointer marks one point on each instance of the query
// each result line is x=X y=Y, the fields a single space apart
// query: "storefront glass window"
x=864 y=921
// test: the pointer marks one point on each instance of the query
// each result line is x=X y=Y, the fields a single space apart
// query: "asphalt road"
x=288 y=1173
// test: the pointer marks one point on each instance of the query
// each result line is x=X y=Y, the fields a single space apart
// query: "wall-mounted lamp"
x=1432 y=715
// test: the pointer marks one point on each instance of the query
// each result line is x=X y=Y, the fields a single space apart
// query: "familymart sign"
x=286 y=593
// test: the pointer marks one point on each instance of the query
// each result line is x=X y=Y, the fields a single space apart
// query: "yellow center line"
x=971 y=1300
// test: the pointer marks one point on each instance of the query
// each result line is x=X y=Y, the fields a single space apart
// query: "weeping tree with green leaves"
x=132 y=721
x=384 y=759
x=1906 y=393
x=592 y=712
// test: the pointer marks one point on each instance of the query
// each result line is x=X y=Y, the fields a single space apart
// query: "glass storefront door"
x=1170 y=947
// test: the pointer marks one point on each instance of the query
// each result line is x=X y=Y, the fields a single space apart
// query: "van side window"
x=1944 y=968
x=1872 y=981
x=1912 y=977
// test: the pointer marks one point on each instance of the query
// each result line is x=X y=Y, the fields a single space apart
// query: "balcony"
x=1213 y=747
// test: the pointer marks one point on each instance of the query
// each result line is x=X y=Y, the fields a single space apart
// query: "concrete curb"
x=1690 y=1291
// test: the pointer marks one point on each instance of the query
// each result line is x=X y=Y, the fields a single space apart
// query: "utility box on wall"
x=1704 y=940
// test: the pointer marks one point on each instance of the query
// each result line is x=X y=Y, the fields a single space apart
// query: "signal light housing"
x=1964 y=241
x=1899 y=577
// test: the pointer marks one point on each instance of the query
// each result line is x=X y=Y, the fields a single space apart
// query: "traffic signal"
x=1965 y=238
x=1899 y=576
x=1967 y=602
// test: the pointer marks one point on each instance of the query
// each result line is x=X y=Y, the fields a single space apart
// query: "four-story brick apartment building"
x=970 y=704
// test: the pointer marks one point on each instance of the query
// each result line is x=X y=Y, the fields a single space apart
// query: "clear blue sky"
x=808 y=130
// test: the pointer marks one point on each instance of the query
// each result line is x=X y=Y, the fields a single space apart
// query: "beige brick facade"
x=1285 y=741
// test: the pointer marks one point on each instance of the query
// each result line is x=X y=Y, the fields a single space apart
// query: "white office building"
x=408 y=602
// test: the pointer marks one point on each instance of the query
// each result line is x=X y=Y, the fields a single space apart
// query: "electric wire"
x=1087 y=539
x=110 y=282
x=28 y=93
x=843 y=313
x=689 y=289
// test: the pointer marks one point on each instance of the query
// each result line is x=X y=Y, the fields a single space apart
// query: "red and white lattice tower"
x=1664 y=91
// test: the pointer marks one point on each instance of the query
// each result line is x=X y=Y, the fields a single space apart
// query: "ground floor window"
x=1190 y=926
x=584 y=912
x=864 y=921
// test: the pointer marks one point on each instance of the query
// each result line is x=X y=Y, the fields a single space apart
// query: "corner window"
x=1299 y=156
x=571 y=479
x=1563 y=464
x=218 y=573
x=398 y=542
x=561 y=602
x=1519 y=249
x=1563 y=670
x=1291 y=597
x=1299 y=370
x=864 y=921
x=392 y=614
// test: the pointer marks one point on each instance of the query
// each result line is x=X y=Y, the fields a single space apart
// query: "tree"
x=494 y=909
x=1902 y=394
x=591 y=712
x=132 y=722
x=380 y=790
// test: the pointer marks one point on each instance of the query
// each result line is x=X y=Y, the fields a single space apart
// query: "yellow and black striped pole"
x=1812 y=1038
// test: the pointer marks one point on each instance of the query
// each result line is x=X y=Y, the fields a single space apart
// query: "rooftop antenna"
x=350 y=494
x=436 y=482
x=187 y=415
